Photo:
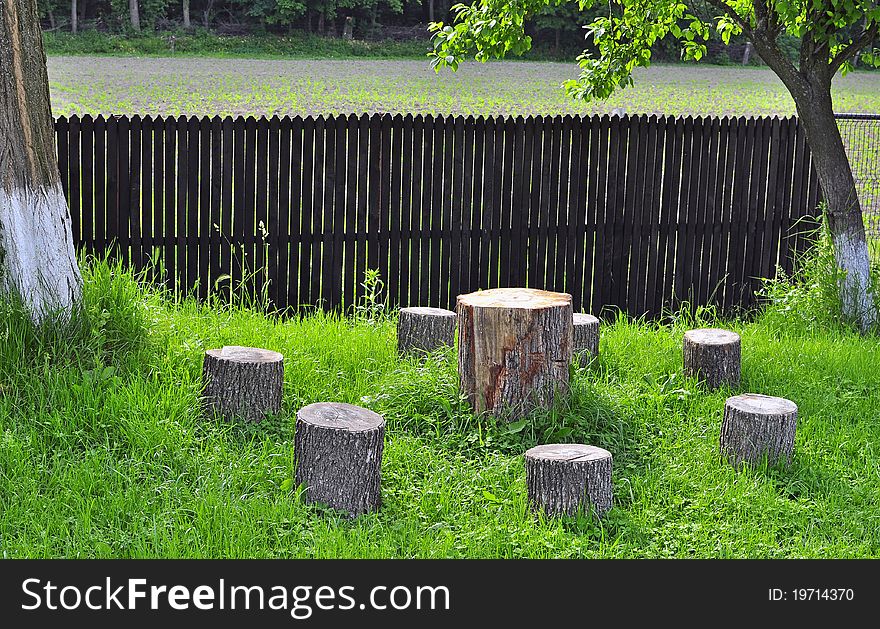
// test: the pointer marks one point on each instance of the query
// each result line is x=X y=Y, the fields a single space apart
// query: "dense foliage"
x=555 y=27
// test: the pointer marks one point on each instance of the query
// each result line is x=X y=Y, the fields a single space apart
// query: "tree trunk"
x=747 y=52
x=564 y=479
x=74 y=17
x=245 y=382
x=186 y=23
x=134 y=14
x=585 y=338
x=37 y=260
x=757 y=426
x=514 y=349
x=430 y=10
x=425 y=329
x=338 y=452
x=845 y=222
x=713 y=356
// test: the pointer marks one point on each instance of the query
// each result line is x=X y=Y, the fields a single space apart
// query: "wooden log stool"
x=564 y=479
x=713 y=356
x=338 y=451
x=514 y=349
x=424 y=329
x=585 y=338
x=756 y=426
x=243 y=382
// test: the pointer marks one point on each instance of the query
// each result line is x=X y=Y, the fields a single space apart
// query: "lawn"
x=104 y=452
x=212 y=86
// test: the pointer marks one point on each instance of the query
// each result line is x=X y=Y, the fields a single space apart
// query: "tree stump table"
x=244 y=382
x=563 y=479
x=424 y=329
x=756 y=426
x=585 y=338
x=338 y=451
x=713 y=355
x=514 y=349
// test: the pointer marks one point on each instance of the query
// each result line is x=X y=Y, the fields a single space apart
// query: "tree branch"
x=733 y=15
x=852 y=48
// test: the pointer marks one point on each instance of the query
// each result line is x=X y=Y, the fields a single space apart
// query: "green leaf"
x=515 y=427
x=287 y=485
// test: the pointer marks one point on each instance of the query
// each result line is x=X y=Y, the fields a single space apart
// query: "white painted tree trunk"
x=852 y=255
x=38 y=261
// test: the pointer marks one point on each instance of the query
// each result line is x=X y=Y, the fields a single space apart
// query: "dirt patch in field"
x=187 y=86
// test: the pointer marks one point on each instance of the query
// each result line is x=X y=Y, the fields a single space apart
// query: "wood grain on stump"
x=563 y=479
x=756 y=426
x=244 y=382
x=514 y=349
x=338 y=451
x=585 y=338
x=425 y=329
x=713 y=356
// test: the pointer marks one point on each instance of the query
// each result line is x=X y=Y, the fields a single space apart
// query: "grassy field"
x=103 y=452
x=199 y=86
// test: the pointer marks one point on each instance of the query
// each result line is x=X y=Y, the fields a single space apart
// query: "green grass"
x=200 y=43
x=103 y=452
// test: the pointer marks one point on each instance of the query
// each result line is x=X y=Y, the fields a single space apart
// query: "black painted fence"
x=635 y=212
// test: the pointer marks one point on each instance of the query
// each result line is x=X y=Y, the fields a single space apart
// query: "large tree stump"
x=244 y=382
x=425 y=329
x=567 y=478
x=338 y=451
x=585 y=338
x=514 y=349
x=713 y=356
x=756 y=426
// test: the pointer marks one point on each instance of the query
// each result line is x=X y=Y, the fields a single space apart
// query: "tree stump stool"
x=514 y=349
x=338 y=451
x=563 y=479
x=585 y=338
x=713 y=355
x=244 y=382
x=756 y=426
x=424 y=329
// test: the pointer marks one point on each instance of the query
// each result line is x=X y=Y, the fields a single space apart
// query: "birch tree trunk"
x=37 y=260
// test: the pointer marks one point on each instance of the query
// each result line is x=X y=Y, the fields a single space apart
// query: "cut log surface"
x=713 y=355
x=243 y=382
x=338 y=451
x=514 y=349
x=563 y=479
x=756 y=426
x=424 y=329
x=585 y=337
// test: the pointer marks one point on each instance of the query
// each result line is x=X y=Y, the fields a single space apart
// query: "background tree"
x=37 y=261
x=831 y=34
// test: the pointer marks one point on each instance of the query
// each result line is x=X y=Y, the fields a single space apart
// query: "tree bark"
x=747 y=52
x=74 y=17
x=243 y=382
x=186 y=21
x=134 y=14
x=564 y=479
x=713 y=356
x=425 y=329
x=845 y=222
x=338 y=451
x=514 y=349
x=810 y=87
x=585 y=338
x=757 y=426
x=37 y=259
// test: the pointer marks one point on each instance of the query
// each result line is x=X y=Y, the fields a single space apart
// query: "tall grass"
x=103 y=452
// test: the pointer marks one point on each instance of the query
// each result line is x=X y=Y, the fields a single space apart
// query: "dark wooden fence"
x=639 y=212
